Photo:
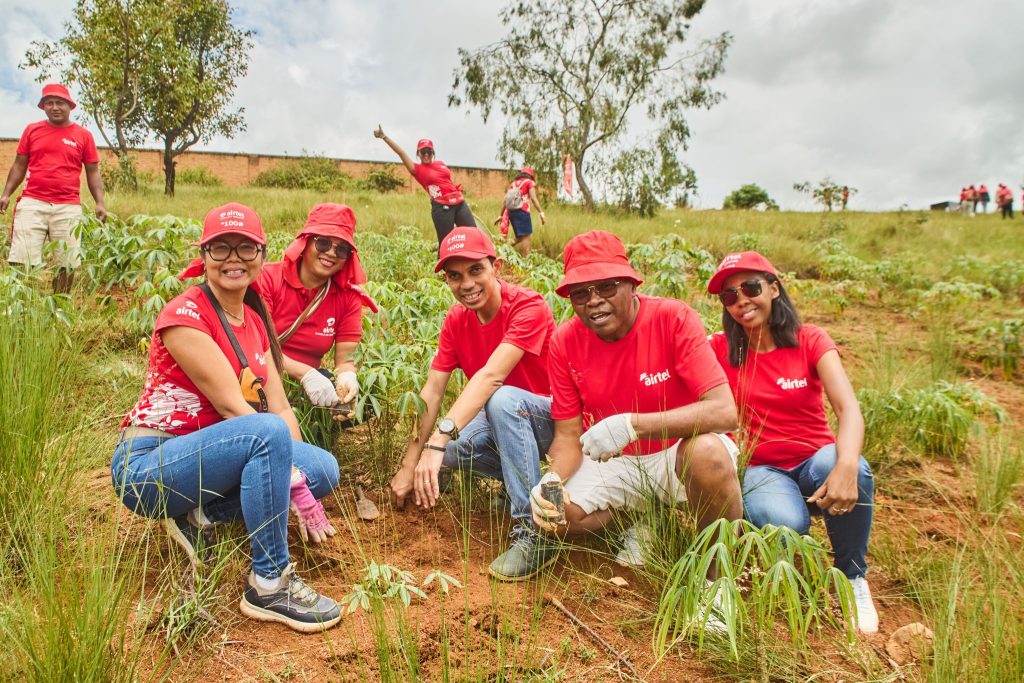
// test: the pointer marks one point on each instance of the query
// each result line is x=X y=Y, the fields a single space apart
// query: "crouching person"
x=638 y=402
x=500 y=425
x=212 y=438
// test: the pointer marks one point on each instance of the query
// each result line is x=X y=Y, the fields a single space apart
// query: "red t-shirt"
x=170 y=401
x=55 y=158
x=780 y=399
x=663 y=362
x=436 y=179
x=523 y=320
x=338 y=318
x=524 y=185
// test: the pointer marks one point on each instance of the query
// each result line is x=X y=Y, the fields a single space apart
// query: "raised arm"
x=14 y=178
x=409 y=165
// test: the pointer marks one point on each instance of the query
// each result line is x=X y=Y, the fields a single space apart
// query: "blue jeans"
x=775 y=496
x=236 y=469
x=506 y=441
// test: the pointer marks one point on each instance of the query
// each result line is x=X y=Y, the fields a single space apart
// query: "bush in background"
x=308 y=173
x=199 y=175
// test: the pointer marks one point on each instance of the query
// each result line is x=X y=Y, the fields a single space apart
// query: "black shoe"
x=291 y=603
x=196 y=542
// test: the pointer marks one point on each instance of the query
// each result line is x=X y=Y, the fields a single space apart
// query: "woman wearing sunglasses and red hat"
x=448 y=206
x=312 y=295
x=212 y=437
x=515 y=212
x=778 y=369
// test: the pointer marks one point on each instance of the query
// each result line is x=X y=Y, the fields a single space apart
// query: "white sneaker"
x=710 y=616
x=867 y=615
x=633 y=540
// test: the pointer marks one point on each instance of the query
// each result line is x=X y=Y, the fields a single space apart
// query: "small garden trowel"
x=366 y=509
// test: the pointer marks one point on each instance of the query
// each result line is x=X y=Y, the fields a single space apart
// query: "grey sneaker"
x=292 y=603
x=529 y=553
x=197 y=543
x=634 y=540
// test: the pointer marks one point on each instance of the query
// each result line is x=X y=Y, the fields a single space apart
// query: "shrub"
x=383 y=180
x=121 y=175
x=200 y=176
x=1004 y=345
x=750 y=197
x=316 y=173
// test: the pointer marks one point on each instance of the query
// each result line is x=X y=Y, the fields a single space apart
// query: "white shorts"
x=36 y=221
x=625 y=480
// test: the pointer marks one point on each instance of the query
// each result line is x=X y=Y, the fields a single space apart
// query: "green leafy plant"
x=199 y=176
x=316 y=173
x=383 y=180
x=1003 y=345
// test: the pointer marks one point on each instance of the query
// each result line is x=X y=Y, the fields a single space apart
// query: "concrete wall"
x=241 y=169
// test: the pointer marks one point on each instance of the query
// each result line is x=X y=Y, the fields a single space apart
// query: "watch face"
x=446 y=426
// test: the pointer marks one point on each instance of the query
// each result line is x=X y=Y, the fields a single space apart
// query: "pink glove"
x=313 y=523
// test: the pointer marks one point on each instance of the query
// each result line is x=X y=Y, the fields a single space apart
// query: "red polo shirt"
x=436 y=179
x=55 y=158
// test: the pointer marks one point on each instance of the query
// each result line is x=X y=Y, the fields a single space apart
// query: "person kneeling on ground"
x=213 y=429
x=500 y=424
x=638 y=401
x=777 y=368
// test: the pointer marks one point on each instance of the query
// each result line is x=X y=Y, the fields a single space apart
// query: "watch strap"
x=433 y=447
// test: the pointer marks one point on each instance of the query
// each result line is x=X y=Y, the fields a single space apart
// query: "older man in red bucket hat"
x=52 y=152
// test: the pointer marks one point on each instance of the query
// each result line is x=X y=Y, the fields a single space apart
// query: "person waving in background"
x=313 y=297
x=448 y=206
x=522 y=191
x=212 y=437
x=777 y=368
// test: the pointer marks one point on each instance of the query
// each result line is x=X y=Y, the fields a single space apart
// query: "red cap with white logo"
x=233 y=219
x=736 y=263
x=425 y=143
x=470 y=243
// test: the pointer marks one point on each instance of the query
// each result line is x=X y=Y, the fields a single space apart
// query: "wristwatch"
x=446 y=426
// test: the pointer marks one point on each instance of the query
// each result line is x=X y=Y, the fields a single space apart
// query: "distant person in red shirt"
x=1004 y=200
x=984 y=197
x=499 y=427
x=52 y=153
x=313 y=296
x=778 y=369
x=640 y=405
x=448 y=206
x=522 y=191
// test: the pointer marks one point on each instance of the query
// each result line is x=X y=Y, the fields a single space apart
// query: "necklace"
x=239 y=318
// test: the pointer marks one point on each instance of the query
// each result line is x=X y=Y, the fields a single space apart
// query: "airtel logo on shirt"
x=328 y=330
x=791 y=383
x=650 y=379
x=69 y=143
x=186 y=310
x=260 y=358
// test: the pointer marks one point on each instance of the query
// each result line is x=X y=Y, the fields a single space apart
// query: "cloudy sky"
x=905 y=100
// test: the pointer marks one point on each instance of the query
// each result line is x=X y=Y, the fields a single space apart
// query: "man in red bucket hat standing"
x=52 y=152
x=639 y=402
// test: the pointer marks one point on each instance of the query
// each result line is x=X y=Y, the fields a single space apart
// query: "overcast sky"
x=905 y=100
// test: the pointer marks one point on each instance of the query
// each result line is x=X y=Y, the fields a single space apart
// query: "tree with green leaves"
x=827 y=192
x=571 y=77
x=750 y=196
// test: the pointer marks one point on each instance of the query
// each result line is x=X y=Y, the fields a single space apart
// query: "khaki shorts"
x=35 y=222
x=623 y=482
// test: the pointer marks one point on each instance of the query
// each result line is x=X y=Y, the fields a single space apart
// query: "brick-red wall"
x=240 y=169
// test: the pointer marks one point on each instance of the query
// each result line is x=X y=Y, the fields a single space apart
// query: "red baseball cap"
x=738 y=262
x=56 y=90
x=425 y=143
x=592 y=256
x=528 y=170
x=471 y=243
x=233 y=219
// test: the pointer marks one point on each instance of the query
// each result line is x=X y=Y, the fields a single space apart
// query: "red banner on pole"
x=567 y=175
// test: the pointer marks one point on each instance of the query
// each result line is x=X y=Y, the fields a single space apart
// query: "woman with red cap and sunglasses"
x=212 y=437
x=516 y=209
x=316 y=305
x=448 y=206
x=777 y=369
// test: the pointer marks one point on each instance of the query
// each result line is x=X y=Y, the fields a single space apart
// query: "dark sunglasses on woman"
x=325 y=244
x=750 y=289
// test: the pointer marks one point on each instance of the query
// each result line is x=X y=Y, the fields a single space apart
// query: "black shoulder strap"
x=224 y=322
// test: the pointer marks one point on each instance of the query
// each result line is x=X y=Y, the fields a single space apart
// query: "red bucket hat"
x=471 y=243
x=330 y=220
x=56 y=90
x=425 y=143
x=592 y=256
x=230 y=219
x=736 y=263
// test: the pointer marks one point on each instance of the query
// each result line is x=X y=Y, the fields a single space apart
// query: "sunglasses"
x=246 y=251
x=605 y=290
x=426 y=151
x=750 y=289
x=325 y=244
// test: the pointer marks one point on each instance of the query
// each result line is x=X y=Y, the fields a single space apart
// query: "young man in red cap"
x=448 y=206
x=518 y=216
x=639 y=401
x=500 y=425
x=53 y=153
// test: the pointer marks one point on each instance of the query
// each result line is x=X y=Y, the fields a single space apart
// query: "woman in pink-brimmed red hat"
x=515 y=210
x=315 y=301
x=448 y=206
x=780 y=370
x=212 y=437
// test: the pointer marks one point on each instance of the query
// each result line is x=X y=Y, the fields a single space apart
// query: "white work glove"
x=608 y=437
x=347 y=385
x=320 y=389
x=544 y=511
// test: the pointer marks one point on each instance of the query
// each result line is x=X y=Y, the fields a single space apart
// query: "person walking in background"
x=975 y=198
x=448 y=206
x=984 y=197
x=844 y=197
x=52 y=153
x=522 y=192
x=1004 y=200
x=777 y=369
